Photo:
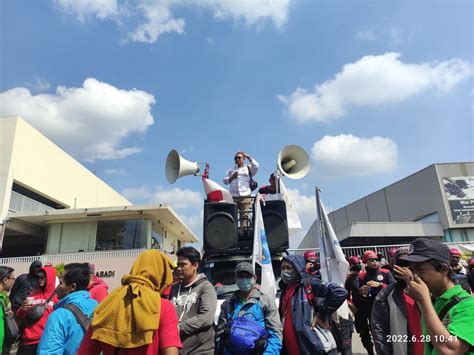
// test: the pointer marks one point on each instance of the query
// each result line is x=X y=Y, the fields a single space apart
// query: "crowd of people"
x=416 y=304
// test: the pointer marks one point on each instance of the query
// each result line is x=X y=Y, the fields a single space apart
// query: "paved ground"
x=357 y=348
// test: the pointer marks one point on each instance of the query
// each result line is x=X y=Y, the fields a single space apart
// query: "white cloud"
x=83 y=9
x=142 y=194
x=305 y=207
x=115 y=172
x=178 y=198
x=210 y=40
x=347 y=155
x=38 y=84
x=186 y=202
x=371 y=81
x=156 y=17
x=90 y=122
x=368 y=35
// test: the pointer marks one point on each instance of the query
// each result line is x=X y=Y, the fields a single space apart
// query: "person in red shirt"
x=135 y=319
x=97 y=288
x=33 y=330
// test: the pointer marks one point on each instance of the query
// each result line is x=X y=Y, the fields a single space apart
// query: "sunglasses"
x=235 y=158
x=372 y=259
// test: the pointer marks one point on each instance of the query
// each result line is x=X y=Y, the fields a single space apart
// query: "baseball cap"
x=310 y=255
x=244 y=267
x=455 y=251
x=392 y=252
x=369 y=254
x=423 y=249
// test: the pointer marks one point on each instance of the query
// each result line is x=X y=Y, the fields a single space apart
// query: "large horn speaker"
x=293 y=162
x=177 y=166
x=220 y=227
x=276 y=225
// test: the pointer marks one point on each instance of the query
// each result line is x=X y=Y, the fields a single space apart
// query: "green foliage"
x=59 y=269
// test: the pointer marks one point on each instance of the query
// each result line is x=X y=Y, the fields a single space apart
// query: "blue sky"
x=372 y=90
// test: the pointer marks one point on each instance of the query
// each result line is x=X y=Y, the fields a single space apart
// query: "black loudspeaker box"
x=220 y=227
x=276 y=225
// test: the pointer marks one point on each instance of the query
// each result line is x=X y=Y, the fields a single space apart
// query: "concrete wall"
x=415 y=196
x=32 y=160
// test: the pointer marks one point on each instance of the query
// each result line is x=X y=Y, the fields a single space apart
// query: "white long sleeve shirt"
x=240 y=186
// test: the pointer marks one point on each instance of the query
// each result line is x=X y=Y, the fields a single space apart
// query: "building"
x=51 y=205
x=436 y=202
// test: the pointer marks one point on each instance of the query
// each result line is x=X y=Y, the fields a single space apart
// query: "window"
x=124 y=234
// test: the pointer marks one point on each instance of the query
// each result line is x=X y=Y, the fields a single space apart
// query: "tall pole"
x=322 y=235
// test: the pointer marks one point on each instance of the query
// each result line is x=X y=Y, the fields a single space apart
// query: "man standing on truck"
x=248 y=309
x=195 y=301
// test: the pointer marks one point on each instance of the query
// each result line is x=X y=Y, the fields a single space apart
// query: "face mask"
x=245 y=284
x=289 y=277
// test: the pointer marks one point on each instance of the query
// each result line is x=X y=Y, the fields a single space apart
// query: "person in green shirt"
x=448 y=321
x=6 y=282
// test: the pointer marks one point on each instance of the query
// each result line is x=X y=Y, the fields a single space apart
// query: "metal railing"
x=382 y=249
x=66 y=258
x=21 y=203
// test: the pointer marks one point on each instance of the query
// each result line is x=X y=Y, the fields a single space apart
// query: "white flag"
x=215 y=192
x=261 y=253
x=334 y=266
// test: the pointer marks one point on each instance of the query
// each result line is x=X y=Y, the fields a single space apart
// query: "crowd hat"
x=369 y=254
x=455 y=252
x=392 y=252
x=423 y=249
x=353 y=260
x=244 y=267
x=310 y=255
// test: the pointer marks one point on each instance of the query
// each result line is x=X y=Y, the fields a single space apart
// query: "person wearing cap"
x=355 y=266
x=395 y=315
x=459 y=271
x=312 y=266
x=269 y=189
x=391 y=261
x=306 y=305
x=454 y=260
x=97 y=287
x=448 y=320
x=250 y=303
x=24 y=285
x=364 y=290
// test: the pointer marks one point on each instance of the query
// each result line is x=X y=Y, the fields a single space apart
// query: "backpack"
x=334 y=324
x=81 y=318
x=253 y=184
x=244 y=335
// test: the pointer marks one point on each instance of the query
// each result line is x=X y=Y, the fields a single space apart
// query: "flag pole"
x=322 y=234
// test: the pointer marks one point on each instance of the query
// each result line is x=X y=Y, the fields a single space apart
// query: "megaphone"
x=293 y=162
x=177 y=166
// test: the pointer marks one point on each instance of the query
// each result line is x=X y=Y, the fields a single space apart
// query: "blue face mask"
x=245 y=284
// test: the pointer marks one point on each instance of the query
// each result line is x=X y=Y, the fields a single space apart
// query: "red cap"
x=471 y=263
x=455 y=251
x=354 y=260
x=369 y=254
x=392 y=252
x=310 y=255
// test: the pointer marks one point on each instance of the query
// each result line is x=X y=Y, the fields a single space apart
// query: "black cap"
x=244 y=267
x=423 y=249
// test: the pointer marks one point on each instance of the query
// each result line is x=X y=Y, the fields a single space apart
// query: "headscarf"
x=130 y=315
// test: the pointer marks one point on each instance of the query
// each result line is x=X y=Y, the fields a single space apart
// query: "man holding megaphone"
x=240 y=179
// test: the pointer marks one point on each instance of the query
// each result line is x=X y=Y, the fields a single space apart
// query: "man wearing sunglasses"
x=239 y=178
x=364 y=290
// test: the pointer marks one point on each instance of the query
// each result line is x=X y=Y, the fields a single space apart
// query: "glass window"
x=122 y=234
x=156 y=240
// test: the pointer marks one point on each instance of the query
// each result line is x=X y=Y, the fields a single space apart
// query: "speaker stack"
x=276 y=225
x=220 y=227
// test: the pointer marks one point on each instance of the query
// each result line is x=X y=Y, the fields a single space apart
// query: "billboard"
x=460 y=194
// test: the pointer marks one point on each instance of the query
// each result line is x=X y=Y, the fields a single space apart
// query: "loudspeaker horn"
x=177 y=166
x=293 y=162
